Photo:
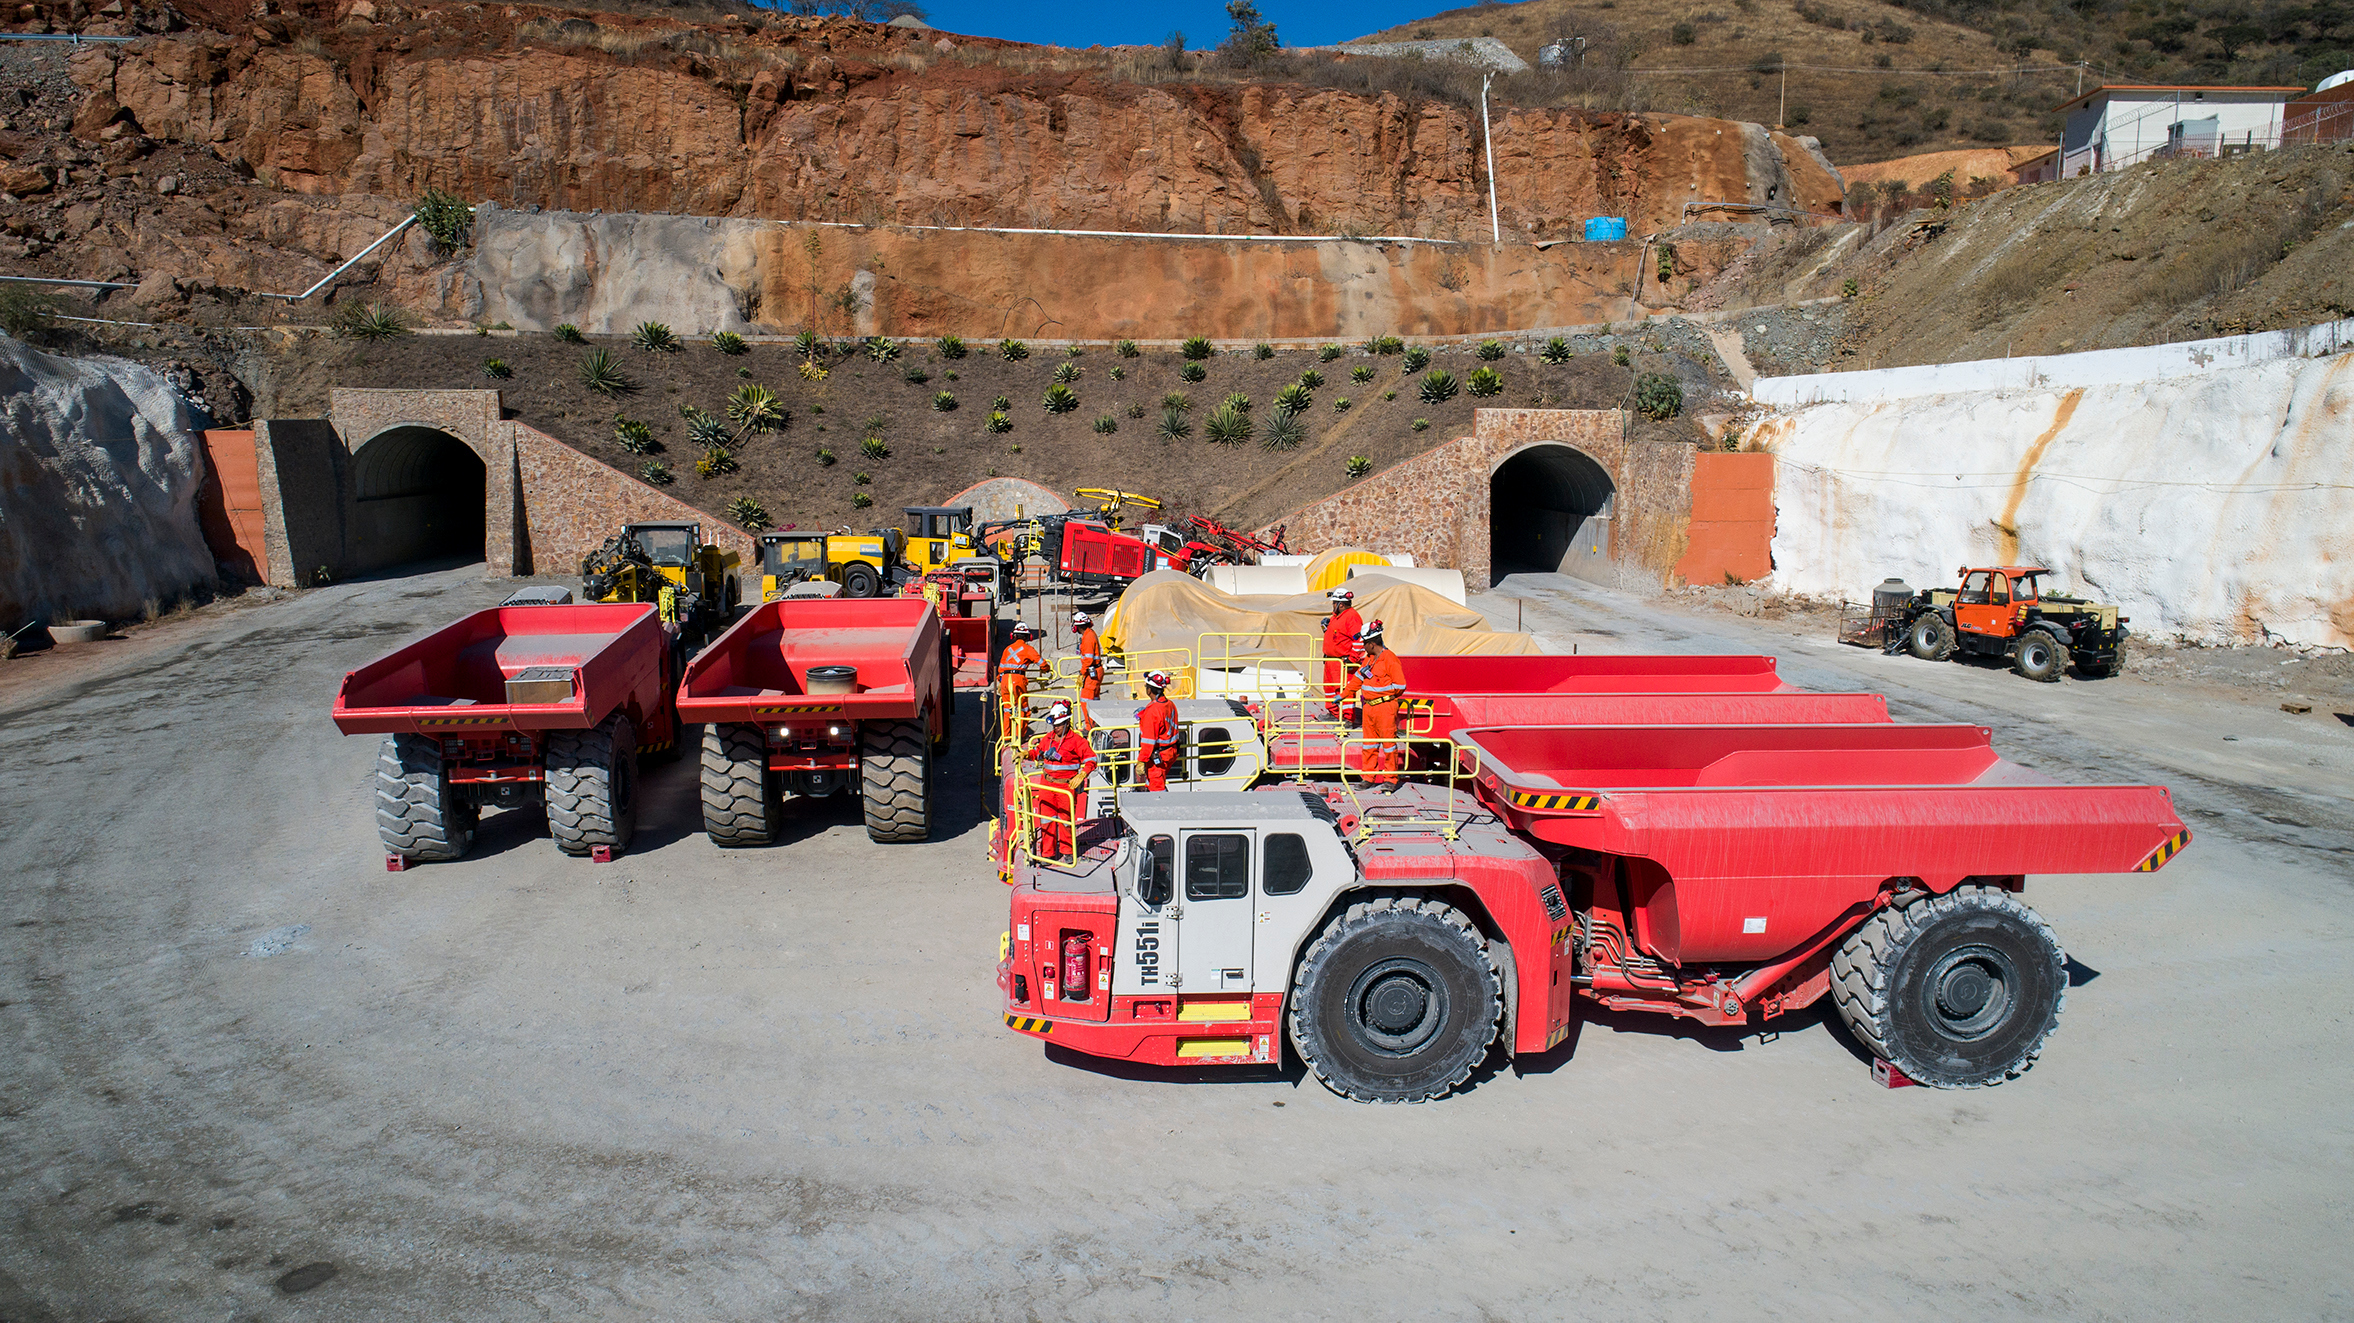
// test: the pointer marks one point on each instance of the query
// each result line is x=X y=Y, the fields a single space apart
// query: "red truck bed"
x=1729 y=824
x=454 y=680
x=1631 y=673
x=758 y=671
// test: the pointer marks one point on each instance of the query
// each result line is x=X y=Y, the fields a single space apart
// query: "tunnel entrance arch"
x=417 y=494
x=1549 y=511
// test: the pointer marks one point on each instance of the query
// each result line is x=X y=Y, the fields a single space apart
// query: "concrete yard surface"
x=245 y=1073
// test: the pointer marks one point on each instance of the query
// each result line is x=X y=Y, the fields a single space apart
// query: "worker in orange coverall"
x=1158 y=739
x=1090 y=656
x=1340 y=643
x=1379 y=685
x=1015 y=666
x=1066 y=760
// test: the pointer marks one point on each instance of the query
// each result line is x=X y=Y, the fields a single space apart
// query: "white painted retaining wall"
x=2215 y=505
x=2100 y=367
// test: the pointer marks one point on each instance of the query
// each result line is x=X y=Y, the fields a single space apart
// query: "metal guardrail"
x=78 y=284
x=75 y=37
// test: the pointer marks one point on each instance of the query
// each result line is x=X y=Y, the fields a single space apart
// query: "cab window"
x=1213 y=751
x=1217 y=866
x=1974 y=589
x=666 y=546
x=1159 y=869
x=1284 y=866
x=1998 y=590
x=2023 y=588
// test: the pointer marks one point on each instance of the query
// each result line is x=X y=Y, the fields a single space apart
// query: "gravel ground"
x=247 y=1074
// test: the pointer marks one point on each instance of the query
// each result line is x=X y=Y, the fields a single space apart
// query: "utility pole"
x=2080 y=76
x=1495 y=228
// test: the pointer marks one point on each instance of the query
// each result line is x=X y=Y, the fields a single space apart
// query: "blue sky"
x=1070 y=23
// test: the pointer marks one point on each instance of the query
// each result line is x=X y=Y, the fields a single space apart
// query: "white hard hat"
x=1157 y=679
x=1370 y=631
x=1024 y=630
x=1341 y=595
x=1059 y=714
x=1081 y=620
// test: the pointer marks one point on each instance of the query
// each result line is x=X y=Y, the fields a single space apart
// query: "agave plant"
x=1193 y=372
x=728 y=342
x=1060 y=398
x=1178 y=400
x=654 y=338
x=1106 y=425
x=999 y=422
x=874 y=447
x=716 y=461
x=496 y=369
x=882 y=349
x=371 y=322
x=1420 y=424
x=1136 y=410
x=860 y=500
x=1490 y=350
x=1360 y=465
x=569 y=334
x=1066 y=372
x=1175 y=425
x=951 y=347
x=914 y=375
x=1001 y=405
x=632 y=435
x=808 y=345
x=1196 y=348
x=707 y=430
x=1484 y=382
x=1438 y=387
x=944 y=402
x=1227 y=426
x=750 y=515
x=601 y=372
x=1329 y=353
x=1620 y=356
x=810 y=371
x=862 y=478
x=656 y=472
x=1417 y=359
x=755 y=408
x=1262 y=351
x=1012 y=351
x=1387 y=344
x=1126 y=348
x=1361 y=373
x=1311 y=379
x=1557 y=351
x=1283 y=432
x=1294 y=398
x=825 y=457
x=1343 y=404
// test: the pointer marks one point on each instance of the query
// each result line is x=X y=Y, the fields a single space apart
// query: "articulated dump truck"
x=1685 y=836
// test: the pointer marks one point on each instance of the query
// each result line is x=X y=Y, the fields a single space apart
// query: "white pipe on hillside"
x=406 y=222
x=1495 y=230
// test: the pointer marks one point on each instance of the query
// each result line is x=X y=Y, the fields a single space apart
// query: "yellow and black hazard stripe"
x=461 y=721
x=1024 y=1024
x=1531 y=799
x=2158 y=857
x=801 y=707
x=655 y=746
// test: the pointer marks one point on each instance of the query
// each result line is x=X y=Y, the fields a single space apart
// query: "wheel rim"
x=1970 y=992
x=1397 y=1006
x=2038 y=656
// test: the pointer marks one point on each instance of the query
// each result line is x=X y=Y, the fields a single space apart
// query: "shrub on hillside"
x=370 y=321
x=1490 y=350
x=749 y=514
x=569 y=334
x=1193 y=372
x=1438 y=387
x=654 y=338
x=1484 y=382
x=601 y=372
x=1659 y=396
x=1417 y=358
x=1012 y=351
x=1227 y=426
x=1557 y=351
x=951 y=347
x=728 y=342
x=1196 y=348
x=1060 y=398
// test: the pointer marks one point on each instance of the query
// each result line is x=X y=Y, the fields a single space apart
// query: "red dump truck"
x=1725 y=874
x=822 y=696
x=512 y=707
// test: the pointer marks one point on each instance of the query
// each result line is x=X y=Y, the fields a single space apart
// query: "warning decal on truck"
x=1573 y=803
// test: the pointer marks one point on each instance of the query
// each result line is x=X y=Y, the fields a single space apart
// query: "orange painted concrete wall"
x=229 y=504
x=1732 y=530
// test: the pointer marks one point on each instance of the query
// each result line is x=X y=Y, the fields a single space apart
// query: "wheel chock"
x=1889 y=1077
x=394 y=863
x=603 y=854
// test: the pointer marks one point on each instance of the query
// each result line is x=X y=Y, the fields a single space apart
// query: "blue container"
x=1602 y=229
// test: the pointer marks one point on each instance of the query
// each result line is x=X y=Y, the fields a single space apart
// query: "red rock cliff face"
x=828 y=119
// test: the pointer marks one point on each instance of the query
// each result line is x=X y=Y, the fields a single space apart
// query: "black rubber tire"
x=592 y=786
x=895 y=779
x=1930 y=638
x=2039 y=656
x=419 y=815
x=1414 y=956
x=1957 y=991
x=741 y=806
x=860 y=580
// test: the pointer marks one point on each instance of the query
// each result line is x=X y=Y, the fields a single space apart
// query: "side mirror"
x=1156 y=873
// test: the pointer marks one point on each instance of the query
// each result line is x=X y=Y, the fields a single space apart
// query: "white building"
x=2112 y=127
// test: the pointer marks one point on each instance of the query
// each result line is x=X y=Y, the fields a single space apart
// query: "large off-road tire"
x=1930 y=638
x=860 y=580
x=1395 y=1001
x=2039 y=656
x=592 y=786
x=741 y=806
x=419 y=814
x=1957 y=991
x=895 y=778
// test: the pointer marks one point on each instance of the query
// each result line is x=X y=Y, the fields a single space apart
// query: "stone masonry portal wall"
x=1437 y=506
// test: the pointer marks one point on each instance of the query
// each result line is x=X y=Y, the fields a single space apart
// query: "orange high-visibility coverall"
x=1380 y=684
x=1014 y=666
x=1067 y=760
x=1090 y=664
x=1340 y=648
x=1157 y=738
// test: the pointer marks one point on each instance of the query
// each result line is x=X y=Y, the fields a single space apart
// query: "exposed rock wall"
x=2209 y=506
x=825 y=119
x=99 y=468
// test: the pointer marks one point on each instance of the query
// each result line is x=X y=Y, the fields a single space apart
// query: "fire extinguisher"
x=1078 y=984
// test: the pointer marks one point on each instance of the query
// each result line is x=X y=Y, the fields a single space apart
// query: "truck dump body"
x=1594 y=674
x=758 y=671
x=1743 y=843
x=456 y=680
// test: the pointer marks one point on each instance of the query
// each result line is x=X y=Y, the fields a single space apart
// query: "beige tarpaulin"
x=1165 y=614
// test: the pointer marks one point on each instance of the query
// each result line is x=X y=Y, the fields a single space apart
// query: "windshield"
x=2023 y=588
x=667 y=546
x=791 y=553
